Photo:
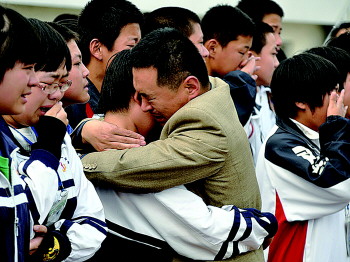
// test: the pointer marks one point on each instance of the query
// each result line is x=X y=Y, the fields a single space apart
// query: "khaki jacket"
x=203 y=145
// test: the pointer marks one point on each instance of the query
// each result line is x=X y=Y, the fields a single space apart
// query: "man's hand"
x=40 y=231
x=58 y=112
x=249 y=66
x=103 y=136
x=336 y=104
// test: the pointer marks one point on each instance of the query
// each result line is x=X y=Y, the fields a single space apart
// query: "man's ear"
x=193 y=86
x=301 y=105
x=137 y=98
x=212 y=45
x=95 y=49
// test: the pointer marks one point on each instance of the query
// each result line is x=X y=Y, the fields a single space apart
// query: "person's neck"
x=97 y=73
x=120 y=119
x=12 y=122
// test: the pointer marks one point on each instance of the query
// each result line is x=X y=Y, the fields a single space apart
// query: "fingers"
x=127 y=134
x=102 y=135
x=40 y=229
x=34 y=243
x=336 y=104
x=55 y=109
x=117 y=142
x=58 y=111
x=249 y=66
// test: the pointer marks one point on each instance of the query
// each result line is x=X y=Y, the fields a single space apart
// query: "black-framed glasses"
x=52 y=88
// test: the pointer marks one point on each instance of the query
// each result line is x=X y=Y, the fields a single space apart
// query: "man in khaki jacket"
x=202 y=144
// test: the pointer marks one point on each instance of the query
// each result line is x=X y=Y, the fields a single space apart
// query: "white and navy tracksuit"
x=45 y=179
x=304 y=180
x=178 y=221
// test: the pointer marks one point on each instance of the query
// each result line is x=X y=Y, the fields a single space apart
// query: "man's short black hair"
x=257 y=9
x=259 y=37
x=19 y=41
x=179 y=18
x=173 y=55
x=104 y=19
x=117 y=86
x=304 y=78
x=226 y=23
x=54 y=48
x=339 y=57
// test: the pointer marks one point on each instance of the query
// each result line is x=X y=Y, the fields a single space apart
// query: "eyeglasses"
x=52 y=88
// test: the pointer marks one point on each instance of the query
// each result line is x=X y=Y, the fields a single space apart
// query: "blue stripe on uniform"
x=231 y=236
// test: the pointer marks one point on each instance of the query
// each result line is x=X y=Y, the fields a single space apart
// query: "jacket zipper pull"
x=16 y=225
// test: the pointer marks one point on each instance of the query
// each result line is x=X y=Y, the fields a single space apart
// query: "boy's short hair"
x=18 y=40
x=173 y=55
x=179 y=18
x=339 y=57
x=259 y=37
x=257 y=9
x=226 y=23
x=54 y=48
x=305 y=78
x=68 y=20
x=117 y=86
x=104 y=19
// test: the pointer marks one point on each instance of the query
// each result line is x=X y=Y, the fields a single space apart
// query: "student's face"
x=275 y=21
x=15 y=87
x=129 y=36
x=268 y=61
x=347 y=94
x=226 y=59
x=319 y=116
x=197 y=39
x=78 y=92
x=38 y=101
x=161 y=102
x=144 y=121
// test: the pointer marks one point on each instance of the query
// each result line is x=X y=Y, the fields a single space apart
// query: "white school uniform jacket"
x=81 y=217
x=180 y=220
x=304 y=180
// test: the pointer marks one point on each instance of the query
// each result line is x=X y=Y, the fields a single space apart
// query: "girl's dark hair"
x=54 y=47
x=18 y=40
x=305 y=78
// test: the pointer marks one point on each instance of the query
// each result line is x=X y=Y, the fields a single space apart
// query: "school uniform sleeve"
x=211 y=233
x=312 y=183
x=243 y=93
x=84 y=225
x=190 y=227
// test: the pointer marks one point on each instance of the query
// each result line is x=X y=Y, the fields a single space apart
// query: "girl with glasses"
x=60 y=197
